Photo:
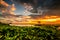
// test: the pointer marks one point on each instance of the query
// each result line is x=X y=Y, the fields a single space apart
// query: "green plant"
x=29 y=33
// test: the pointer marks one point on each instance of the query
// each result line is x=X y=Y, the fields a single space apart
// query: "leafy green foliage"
x=28 y=33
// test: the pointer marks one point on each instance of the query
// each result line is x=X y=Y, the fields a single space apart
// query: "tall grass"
x=8 y=32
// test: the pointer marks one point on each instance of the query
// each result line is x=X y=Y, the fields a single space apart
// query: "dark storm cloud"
x=47 y=4
x=40 y=2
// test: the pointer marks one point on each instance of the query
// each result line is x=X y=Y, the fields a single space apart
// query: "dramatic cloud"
x=7 y=9
x=48 y=4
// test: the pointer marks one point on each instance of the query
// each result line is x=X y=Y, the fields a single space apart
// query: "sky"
x=19 y=8
x=52 y=5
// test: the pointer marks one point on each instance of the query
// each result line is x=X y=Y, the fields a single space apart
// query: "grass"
x=8 y=32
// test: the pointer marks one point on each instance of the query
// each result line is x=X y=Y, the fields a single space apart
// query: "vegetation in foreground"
x=29 y=33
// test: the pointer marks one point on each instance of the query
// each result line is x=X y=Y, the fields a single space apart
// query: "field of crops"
x=29 y=33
